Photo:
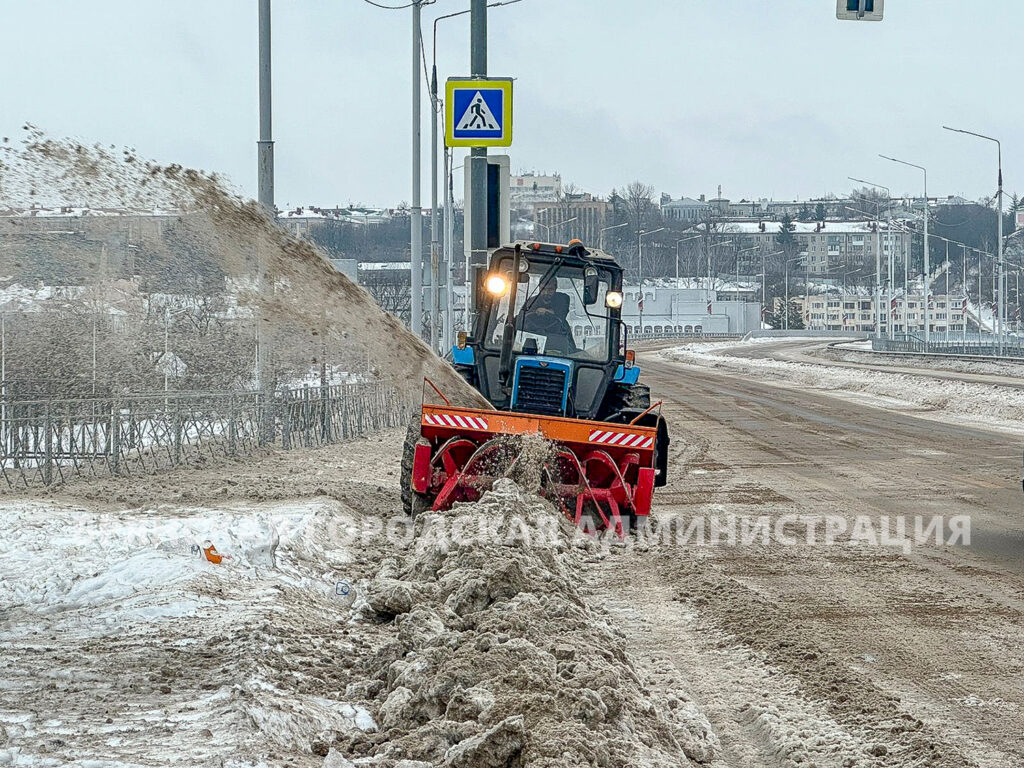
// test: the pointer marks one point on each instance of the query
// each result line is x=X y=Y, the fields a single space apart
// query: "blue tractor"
x=549 y=351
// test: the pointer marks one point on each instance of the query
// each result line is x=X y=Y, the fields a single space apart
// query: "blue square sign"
x=478 y=112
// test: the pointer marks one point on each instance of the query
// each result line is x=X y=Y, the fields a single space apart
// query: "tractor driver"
x=547 y=315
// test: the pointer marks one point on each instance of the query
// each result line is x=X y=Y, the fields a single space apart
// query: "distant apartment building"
x=855 y=312
x=829 y=245
x=581 y=216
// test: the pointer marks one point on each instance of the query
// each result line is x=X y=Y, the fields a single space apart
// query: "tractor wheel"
x=413 y=503
x=634 y=397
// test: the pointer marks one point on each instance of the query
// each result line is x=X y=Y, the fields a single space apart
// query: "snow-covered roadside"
x=860 y=352
x=973 y=404
x=124 y=646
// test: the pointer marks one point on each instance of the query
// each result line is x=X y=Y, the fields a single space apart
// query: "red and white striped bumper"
x=460 y=421
x=620 y=439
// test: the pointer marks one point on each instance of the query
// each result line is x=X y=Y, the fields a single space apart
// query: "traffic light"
x=859 y=10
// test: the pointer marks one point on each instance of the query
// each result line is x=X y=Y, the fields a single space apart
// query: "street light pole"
x=764 y=282
x=416 y=211
x=742 y=250
x=785 y=311
x=477 y=159
x=682 y=240
x=600 y=234
x=713 y=245
x=1001 y=309
x=927 y=263
x=441 y=266
x=878 y=259
x=265 y=145
x=640 y=267
x=436 y=339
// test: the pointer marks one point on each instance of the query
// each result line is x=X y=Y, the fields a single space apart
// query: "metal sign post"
x=478 y=115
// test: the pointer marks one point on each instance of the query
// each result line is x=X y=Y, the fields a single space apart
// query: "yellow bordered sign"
x=478 y=112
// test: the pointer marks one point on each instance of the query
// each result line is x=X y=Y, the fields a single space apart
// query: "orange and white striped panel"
x=455 y=420
x=620 y=439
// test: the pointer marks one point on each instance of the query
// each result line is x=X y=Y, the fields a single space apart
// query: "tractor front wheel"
x=413 y=503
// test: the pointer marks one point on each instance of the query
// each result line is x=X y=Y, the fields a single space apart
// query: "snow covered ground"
x=972 y=403
x=124 y=646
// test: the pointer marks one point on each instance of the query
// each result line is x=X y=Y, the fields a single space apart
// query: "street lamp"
x=927 y=263
x=764 y=279
x=600 y=233
x=785 y=309
x=168 y=314
x=640 y=266
x=878 y=256
x=1001 y=315
x=549 y=227
x=846 y=274
x=682 y=240
x=713 y=245
x=742 y=250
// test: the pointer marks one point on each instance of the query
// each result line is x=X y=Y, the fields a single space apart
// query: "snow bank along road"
x=121 y=647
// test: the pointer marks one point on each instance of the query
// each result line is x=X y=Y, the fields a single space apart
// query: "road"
x=832 y=655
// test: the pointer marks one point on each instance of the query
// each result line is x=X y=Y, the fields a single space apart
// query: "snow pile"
x=970 y=403
x=222 y=249
x=495 y=659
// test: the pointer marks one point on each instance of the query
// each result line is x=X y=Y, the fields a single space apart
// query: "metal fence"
x=804 y=333
x=972 y=345
x=684 y=336
x=48 y=442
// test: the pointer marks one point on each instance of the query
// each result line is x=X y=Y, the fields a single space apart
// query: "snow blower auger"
x=549 y=353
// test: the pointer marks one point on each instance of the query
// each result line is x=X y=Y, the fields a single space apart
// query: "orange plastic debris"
x=211 y=552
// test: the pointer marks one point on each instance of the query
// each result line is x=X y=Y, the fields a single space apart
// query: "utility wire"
x=397 y=7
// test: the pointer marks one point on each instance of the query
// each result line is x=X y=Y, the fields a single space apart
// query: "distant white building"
x=670 y=309
x=685 y=210
x=695 y=308
x=528 y=188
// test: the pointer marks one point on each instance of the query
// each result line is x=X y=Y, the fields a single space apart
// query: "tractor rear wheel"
x=632 y=397
x=413 y=503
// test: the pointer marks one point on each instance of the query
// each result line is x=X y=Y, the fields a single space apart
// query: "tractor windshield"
x=551 y=318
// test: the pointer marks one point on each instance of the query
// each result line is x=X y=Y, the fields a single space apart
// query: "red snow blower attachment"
x=598 y=473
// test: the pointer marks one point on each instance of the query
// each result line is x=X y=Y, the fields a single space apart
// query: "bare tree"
x=390 y=289
x=639 y=202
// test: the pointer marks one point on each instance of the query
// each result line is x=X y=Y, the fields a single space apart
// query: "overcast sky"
x=773 y=98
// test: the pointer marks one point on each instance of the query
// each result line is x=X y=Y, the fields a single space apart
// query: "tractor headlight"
x=496 y=285
x=613 y=299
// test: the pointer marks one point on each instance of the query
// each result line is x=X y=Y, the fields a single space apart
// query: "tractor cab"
x=547 y=336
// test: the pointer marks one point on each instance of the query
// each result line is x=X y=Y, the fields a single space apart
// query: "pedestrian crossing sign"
x=478 y=112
